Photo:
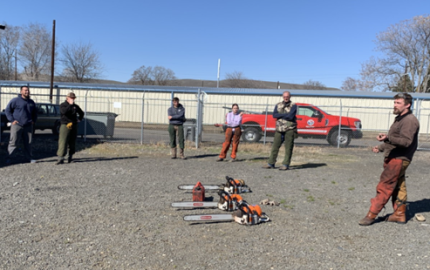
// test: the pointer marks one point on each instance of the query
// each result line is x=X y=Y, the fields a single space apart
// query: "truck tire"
x=251 y=134
x=56 y=129
x=344 y=139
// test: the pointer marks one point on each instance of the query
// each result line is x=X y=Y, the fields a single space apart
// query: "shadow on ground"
x=202 y=156
x=308 y=166
x=44 y=146
x=417 y=207
x=92 y=159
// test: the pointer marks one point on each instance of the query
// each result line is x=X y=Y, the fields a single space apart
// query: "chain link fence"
x=141 y=117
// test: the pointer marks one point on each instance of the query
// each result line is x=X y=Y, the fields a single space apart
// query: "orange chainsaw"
x=233 y=186
x=245 y=215
x=227 y=202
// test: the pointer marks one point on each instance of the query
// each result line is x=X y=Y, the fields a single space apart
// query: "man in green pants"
x=69 y=128
x=176 y=116
x=286 y=131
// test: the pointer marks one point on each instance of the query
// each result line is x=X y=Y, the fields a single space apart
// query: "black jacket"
x=69 y=113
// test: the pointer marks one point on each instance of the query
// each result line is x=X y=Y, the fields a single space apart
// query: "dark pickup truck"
x=48 y=117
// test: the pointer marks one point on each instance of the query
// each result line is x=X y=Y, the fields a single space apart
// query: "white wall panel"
x=375 y=114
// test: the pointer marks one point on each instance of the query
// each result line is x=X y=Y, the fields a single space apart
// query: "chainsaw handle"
x=244 y=205
x=230 y=180
x=222 y=192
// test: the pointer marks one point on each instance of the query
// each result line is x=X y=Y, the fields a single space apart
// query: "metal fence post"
x=340 y=124
x=417 y=115
x=143 y=111
x=202 y=112
x=57 y=95
x=388 y=124
x=198 y=116
x=85 y=113
x=147 y=108
x=265 y=122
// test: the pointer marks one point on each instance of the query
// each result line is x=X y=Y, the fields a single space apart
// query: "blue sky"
x=287 y=41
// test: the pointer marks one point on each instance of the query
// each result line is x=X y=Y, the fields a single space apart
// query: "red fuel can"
x=198 y=192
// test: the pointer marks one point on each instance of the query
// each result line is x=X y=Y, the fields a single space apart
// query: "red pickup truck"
x=312 y=122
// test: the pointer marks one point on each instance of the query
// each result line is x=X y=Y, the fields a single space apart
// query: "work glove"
x=69 y=125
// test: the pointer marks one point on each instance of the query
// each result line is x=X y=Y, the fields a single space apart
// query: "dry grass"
x=247 y=152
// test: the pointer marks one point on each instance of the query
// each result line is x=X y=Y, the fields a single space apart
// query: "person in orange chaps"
x=232 y=133
x=399 y=146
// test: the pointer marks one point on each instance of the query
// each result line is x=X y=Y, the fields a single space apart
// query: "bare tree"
x=35 y=50
x=142 y=75
x=236 y=79
x=81 y=62
x=152 y=75
x=349 y=84
x=406 y=46
x=162 y=75
x=9 y=42
x=314 y=85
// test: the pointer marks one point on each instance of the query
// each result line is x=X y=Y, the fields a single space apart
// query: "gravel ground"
x=111 y=210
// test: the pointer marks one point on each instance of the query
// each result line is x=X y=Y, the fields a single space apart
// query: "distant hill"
x=253 y=83
x=206 y=83
x=248 y=83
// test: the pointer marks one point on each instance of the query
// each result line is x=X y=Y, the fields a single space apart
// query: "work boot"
x=284 y=167
x=173 y=152
x=181 y=153
x=60 y=161
x=368 y=219
x=399 y=214
x=268 y=166
x=70 y=159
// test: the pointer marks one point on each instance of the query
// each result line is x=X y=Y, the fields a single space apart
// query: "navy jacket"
x=22 y=110
x=177 y=114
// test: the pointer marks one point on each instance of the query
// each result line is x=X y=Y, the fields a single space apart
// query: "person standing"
x=232 y=133
x=286 y=131
x=71 y=115
x=399 y=146
x=21 y=112
x=176 y=116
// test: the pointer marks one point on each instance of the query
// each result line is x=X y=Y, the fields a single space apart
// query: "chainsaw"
x=227 y=202
x=233 y=186
x=245 y=215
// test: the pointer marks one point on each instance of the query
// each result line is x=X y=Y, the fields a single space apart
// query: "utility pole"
x=52 y=62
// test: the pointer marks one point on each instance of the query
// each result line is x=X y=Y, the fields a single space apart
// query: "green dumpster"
x=102 y=124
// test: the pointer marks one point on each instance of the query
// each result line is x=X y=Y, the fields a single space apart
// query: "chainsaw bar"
x=195 y=204
x=210 y=217
x=207 y=187
x=232 y=190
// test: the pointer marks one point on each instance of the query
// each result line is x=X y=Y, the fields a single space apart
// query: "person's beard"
x=397 y=111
